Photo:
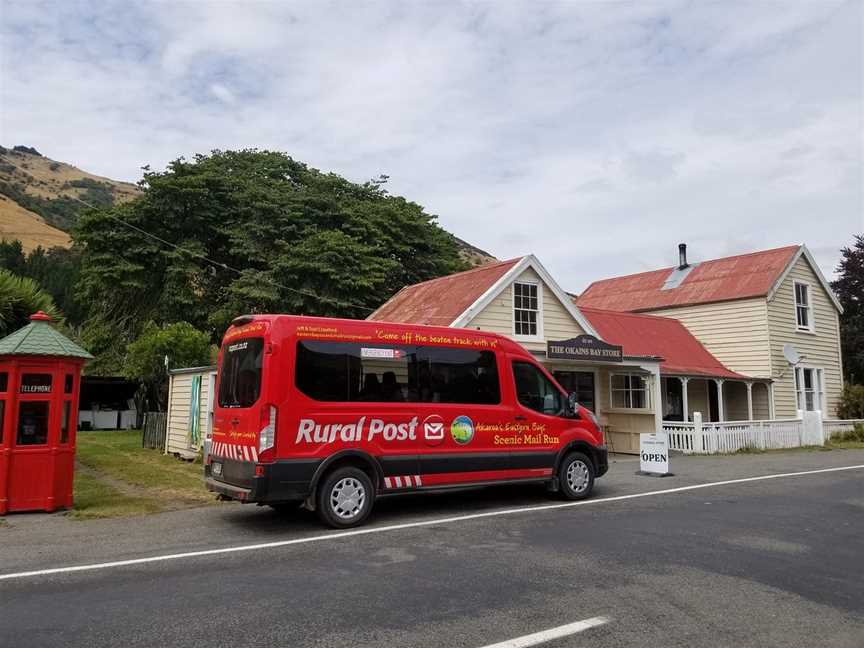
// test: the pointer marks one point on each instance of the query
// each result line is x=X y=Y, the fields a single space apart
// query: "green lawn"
x=96 y=499
x=126 y=479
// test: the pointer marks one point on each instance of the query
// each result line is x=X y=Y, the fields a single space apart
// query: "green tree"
x=849 y=288
x=851 y=404
x=181 y=343
x=12 y=257
x=302 y=241
x=20 y=297
x=54 y=270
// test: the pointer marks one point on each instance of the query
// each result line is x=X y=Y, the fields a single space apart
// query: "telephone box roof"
x=40 y=339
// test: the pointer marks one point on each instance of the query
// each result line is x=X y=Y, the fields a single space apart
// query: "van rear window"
x=240 y=373
x=378 y=373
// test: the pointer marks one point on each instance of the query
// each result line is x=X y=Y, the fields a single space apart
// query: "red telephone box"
x=40 y=373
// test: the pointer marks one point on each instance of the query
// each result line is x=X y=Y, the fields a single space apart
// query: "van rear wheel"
x=345 y=497
x=576 y=476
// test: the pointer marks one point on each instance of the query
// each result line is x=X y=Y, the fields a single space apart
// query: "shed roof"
x=736 y=277
x=438 y=302
x=650 y=335
x=39 y=338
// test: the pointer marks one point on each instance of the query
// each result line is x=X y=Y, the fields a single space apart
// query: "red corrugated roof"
x=439 y=302
x=650 y=335
x=736 y=277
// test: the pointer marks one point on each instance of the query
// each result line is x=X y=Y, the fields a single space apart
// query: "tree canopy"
x=249 y=231
x=849 y=288
x=180 y=343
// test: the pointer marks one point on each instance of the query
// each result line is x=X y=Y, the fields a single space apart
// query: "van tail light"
x=267 y=434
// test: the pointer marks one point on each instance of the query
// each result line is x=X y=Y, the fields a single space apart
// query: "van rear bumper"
x=281 y=481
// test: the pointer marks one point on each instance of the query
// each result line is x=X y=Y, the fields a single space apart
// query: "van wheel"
x=576 y=476
x=345 y=497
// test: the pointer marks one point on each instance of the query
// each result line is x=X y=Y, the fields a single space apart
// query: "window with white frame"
x=803 y=307
x=808 y=387
x=629 y=391
x=526 y=309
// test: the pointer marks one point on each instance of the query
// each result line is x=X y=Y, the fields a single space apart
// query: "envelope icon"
x=434 y=431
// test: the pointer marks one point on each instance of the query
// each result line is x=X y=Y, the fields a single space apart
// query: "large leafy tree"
x=20 y=297
x=849 y=288
x=256 y=231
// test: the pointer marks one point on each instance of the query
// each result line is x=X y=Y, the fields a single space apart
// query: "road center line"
x=552 y=633
x=410 y=525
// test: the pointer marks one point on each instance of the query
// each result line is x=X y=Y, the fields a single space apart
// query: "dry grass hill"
x=40 y=197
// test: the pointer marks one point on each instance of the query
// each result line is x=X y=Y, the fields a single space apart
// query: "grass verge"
x=122 y=478
x=96 y=499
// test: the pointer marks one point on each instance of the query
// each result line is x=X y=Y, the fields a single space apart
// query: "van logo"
x=433 y=430
x=462 y=430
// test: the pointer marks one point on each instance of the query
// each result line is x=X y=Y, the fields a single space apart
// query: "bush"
x=856 y=435
x=851 y=402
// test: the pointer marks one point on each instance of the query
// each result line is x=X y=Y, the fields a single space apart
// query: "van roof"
x=299 y=320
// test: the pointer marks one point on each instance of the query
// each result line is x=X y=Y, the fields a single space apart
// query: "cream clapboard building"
x=632 y=370
x=754 y=312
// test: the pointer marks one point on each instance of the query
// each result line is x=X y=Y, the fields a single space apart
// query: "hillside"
x=29 y=228
x=40 y=198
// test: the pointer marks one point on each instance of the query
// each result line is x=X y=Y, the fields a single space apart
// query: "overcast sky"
x=596 y=135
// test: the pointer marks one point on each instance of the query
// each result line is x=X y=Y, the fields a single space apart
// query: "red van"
x=335 y=413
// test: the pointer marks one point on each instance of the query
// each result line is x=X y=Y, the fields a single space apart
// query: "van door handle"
x=521 y=418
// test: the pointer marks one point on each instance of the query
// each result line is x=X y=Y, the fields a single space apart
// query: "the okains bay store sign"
x=584 y=347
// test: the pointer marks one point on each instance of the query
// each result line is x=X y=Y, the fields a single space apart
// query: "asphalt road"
x=773 y=562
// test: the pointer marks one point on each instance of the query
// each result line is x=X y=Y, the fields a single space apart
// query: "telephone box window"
x=64 y=422
x=33 y=423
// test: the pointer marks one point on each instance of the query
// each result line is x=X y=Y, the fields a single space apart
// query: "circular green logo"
x=462 y=430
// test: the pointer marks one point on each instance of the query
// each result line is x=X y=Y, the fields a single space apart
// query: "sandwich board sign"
x=654 y=454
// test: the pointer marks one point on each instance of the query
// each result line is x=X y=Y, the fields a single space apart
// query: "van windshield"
x=240 y=373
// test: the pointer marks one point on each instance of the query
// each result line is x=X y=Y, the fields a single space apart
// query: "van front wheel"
x=576 y=476
x=345 y=497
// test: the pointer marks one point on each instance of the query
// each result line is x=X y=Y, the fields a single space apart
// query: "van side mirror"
x=572 y=405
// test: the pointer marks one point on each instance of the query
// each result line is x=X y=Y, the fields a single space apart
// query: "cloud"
x=596 y=135
x=222 y=93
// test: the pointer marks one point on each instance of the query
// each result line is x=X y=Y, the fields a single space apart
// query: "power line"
x=219 y=264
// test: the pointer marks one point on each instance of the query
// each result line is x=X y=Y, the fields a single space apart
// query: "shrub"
x=856 y=434
x=851 y=402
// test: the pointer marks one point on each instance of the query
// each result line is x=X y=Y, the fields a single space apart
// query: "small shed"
x=191 y=396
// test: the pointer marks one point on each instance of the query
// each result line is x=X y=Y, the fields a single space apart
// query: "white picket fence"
x=731 y=436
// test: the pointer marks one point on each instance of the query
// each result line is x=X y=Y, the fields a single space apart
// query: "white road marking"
x=552 y=633
x=410 y=525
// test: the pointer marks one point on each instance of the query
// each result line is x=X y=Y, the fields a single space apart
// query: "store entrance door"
x=581 y=382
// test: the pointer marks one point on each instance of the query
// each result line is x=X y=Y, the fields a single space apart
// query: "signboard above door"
x=584 y=347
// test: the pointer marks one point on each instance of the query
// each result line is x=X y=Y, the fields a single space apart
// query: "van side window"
x=535 y=391
x=380 y=373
